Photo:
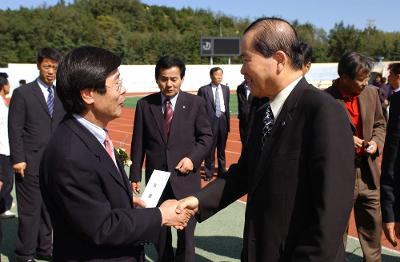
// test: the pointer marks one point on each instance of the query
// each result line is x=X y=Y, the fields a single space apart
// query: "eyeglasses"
x=117 y=87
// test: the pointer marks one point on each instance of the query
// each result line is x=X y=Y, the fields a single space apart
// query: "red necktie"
x=109 y=147
x=168 y=114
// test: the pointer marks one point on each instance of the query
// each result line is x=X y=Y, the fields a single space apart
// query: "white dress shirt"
x=247 y=88
x=97 y=131
x=171 y=99
x=4 y=143
x=44 y=88
x=280 y=98
x=396 y=90
x=221 y=96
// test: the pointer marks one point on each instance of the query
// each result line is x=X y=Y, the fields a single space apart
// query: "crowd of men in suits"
x=308 y=156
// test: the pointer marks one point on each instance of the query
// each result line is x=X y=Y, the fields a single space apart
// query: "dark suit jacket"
x=30 y=125
x=293 y=211
x=373 y=123
x=244 y=105
x=207 y=94
x=90 y=201
x=190 y=136
x=390 y=180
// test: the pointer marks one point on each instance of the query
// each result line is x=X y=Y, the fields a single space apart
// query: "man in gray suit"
x=216 y=96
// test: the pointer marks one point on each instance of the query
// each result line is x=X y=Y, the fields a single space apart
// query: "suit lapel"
x=210 y=95
x=123 y=174
x=179 y=115
x=284 y=118
x=156 y=110
x=94 y=146
x=226 y=94
x=39 y=95
x=58 y=107
x=362 y=111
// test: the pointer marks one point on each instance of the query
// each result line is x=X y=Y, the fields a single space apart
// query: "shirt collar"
x=171 y=99
x=215 y=86
x=278 y=101
x=97 y=131
x=42 y=84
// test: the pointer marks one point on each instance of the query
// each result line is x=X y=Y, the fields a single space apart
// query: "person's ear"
x=281 y=60
x=87 y=95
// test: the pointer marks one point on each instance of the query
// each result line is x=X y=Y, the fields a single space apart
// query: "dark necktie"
x=217 y=103
x=268 y=122
x=50 y=100
x=168 y=114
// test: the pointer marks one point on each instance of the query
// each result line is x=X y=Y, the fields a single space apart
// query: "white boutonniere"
x=123 y=156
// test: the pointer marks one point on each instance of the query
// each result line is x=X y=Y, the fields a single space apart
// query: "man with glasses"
x=83 y=181
x=364 y=111
x=173 y=132
x=35 y=112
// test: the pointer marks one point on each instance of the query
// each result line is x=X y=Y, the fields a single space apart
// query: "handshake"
x=175 y=213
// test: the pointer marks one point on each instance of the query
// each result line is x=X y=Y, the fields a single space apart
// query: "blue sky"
x=322 y=13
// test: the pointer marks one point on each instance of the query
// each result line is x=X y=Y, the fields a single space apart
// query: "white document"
x=155 y=187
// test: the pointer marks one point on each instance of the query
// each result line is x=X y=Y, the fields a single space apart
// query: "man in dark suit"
x=35 y=112
x=244 y=103
x=390 y=179
x=172 y=130
x=219 y=116
x=295 y=164
x=83 y=181
x=364 y=112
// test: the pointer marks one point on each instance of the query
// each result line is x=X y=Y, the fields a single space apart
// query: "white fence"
x=140 y=78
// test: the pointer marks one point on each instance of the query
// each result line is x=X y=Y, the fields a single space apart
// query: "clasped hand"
x=174 y=213
x=172 y=218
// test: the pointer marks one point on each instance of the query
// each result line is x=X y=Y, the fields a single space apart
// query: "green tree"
x=343 y=39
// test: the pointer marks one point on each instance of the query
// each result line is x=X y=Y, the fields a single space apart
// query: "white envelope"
x=155 y=187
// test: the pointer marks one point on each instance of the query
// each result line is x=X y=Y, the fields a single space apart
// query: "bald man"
x=295 y=164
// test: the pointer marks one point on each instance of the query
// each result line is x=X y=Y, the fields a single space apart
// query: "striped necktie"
x=50 y=100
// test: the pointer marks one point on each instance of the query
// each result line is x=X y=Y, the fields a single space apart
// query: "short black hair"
x=49 y=53
x=2 y=74
x=22 y=82
x=395 y=68
x=84 y=67
x=351 y=63
x=167 y=62
x=3 y=82
x=307 y=53
x=215 y=69
x=268 y=40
